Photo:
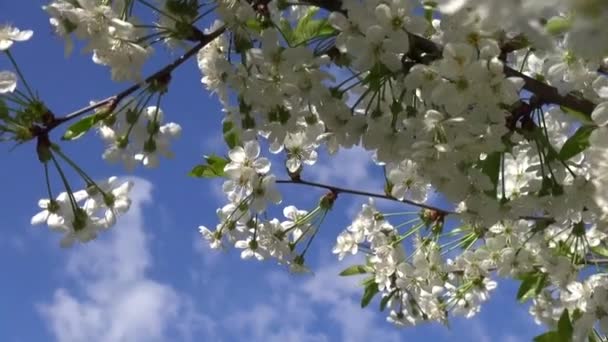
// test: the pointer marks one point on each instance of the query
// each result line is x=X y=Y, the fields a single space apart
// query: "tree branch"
x=443 y=212
x=112 y=101
x=545 y=93
x=338 y=190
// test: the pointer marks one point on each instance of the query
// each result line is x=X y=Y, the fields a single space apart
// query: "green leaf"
x=562 y=334
x=3 y=109
x=558 y=25
x=231 y=137
x=600 y=250
x=385 y=300
x=429 y=10
x=577 y=143
x=356 y=269
x=539 y=135
x=369 y=280
x=214 y=168
x=582 y=117
x=564 y=326
x=491 y=168
x=370 y=291
x=531 y=285
x=79 y=128
x=254 y=25
x=286 y=30
x=309 y=28
x=593 y=337
x=551 y=336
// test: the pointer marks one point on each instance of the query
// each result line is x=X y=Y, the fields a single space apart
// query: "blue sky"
x=151 y=278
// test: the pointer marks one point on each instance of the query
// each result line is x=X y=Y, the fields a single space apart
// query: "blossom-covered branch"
x=161 y=76
x=499 y=105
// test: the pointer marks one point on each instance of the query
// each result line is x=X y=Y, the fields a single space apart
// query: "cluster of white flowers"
x=249 y=189
x=114 y=41
x=427 y=285
x=82 y=214
x=470 y=100
x=423 y=286
x=443 y=119
x=137 y=136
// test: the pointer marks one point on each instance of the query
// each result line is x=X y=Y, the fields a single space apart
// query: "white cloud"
x=350 y=168
x=115 y=300
x=305 y=309
x=289 y=318
x=341 y=297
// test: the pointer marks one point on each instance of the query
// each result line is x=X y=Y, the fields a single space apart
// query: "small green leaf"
x=230 y=135
x=214 y=168
x=531 y=285
x=309 y=28
x=564 y=326
x=356 y=269
x=370 y=291
x=600 y=250
x=231 y=139
x=551 y=336
x=577 y=143
x=254 y=25
x=538 y=135
x=558 y=25
x=369 y=280
x=491 y=168
x=386 y=299
x=582 y=117
x=593 y=337
x=429 y=10
x=3 y=109
x=286 y=30
x=562 y=334
x=79 y=128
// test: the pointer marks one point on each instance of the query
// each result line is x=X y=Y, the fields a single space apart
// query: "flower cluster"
x=115 y=42
x=440 y=101
x=249 y=189
x=501 y=106
x=136 y=136
x=81 y=215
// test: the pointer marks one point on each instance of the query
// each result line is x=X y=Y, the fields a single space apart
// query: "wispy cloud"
x=114 y=299
x=322 y=307
x=349 y=168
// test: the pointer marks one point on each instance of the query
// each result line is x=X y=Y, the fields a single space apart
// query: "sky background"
x=152 y=278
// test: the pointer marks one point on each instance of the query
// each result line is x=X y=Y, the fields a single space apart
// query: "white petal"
x=293 y=164
x=252 y=149
x=383 y=14
x=5 y=44
x=40 y=218
x=172 y=129
x=237 y=155
x=600 y=114
x=21 y=36
x=262 y=165
x=374 y=34
x=8 y=80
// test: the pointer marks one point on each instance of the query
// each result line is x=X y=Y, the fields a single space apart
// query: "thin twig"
x=112 y=101
x=440 y=211
x=339 y=190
